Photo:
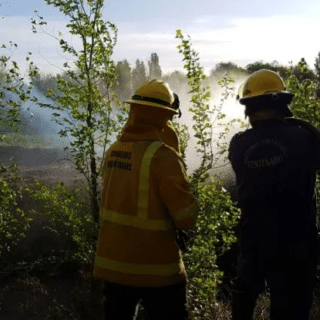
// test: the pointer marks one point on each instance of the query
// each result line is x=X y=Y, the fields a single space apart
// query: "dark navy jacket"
x=275 y=163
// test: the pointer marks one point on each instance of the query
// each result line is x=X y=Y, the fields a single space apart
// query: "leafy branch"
x=200 y=97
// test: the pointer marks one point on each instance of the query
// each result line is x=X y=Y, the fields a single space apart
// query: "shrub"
x=14 y=223
x=214 y=230
x=68 y=215
x=213 y=237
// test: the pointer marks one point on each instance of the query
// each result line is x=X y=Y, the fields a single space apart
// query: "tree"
x=274 y=66
x=317 y=74
x=123 y=87
x=154 y=67
x=282 y=70
x=227 y=67
x=84 y=103
x=305 y=104
x=175 y=79
x=139 y=74
x=44 y=82
x=178 y=82
x=302 y=71
x=14 y=91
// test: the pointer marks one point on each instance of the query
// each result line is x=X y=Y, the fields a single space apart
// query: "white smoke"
x=231 y=108
x=38 y=121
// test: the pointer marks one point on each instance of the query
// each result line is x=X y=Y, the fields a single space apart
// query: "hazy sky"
x=241 y=31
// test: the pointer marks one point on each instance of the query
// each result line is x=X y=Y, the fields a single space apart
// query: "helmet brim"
x=281 y=96
x=151 y=104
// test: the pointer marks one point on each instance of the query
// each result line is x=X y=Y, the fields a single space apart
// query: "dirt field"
x=48 y=165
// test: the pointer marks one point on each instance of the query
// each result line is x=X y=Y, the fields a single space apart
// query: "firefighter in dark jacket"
x=275 y=164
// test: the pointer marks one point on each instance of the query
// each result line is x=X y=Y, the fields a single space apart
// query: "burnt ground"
x=55 y=291
x=48 y=165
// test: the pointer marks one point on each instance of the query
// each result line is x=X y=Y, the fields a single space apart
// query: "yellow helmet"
x=265 y=89
x=156 y=93
x=263 y=83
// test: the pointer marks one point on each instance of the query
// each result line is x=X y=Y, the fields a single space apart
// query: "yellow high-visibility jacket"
x=144 y=182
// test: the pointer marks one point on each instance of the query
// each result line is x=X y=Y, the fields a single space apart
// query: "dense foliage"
x=14 y=90
x=305 y=104
x=14 y=222
x=67 y=215
x=222 y=68
x=283 y=70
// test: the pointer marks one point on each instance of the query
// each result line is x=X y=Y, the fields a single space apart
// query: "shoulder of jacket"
x=165 y=149
x=306 y=125
x=167 y=155
x=300 y=123
x=297 y=122
x=239 y=136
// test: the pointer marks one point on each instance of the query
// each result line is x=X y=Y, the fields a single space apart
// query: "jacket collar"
x=137 y=131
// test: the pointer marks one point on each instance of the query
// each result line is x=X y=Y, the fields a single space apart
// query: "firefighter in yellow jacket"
x=145 y=197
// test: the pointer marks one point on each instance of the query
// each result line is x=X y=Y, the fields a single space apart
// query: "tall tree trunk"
x=93 y=173
x=94 y=189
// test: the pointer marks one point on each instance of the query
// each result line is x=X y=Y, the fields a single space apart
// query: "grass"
x=14 y=139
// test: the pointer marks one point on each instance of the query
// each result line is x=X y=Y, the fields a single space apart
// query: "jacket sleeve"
x=315 y=148
x=175 y=190
x=316 y=153
x=234 y=142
